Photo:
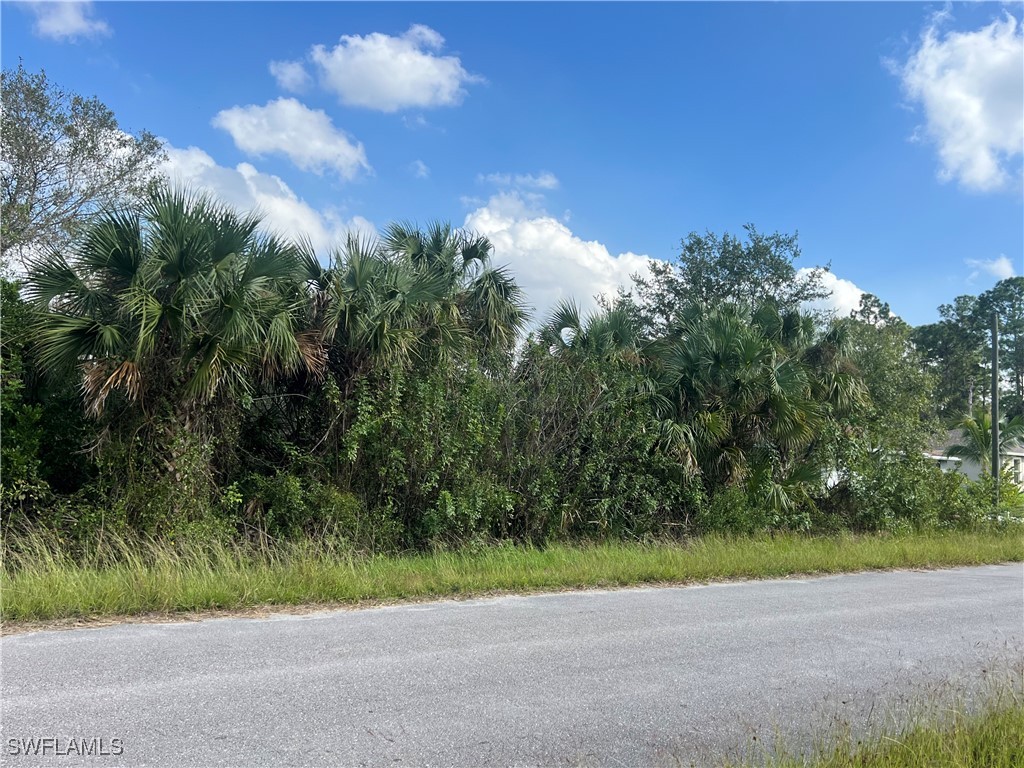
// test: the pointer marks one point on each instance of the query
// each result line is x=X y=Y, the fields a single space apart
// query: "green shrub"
x=730 y=511
x=895 y=492
x=286 y=506
x=585 y=452
x=963 y=504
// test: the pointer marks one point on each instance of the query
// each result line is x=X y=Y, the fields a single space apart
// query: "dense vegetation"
x=172 y=370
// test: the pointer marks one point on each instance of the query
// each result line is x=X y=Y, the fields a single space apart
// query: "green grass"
x=993 y=740
x=123 y=578
x=990 y=737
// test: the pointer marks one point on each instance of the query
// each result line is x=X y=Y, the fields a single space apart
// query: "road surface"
x=628 y=677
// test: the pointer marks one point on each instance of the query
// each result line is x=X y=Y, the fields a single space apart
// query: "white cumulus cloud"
x=66 y=21
x=971 y=86
x=550 y=262
x=287 y=127
x=845 y=296
x=246 y=188
x=290 y=75
x=387 y=73
x=1001 y=268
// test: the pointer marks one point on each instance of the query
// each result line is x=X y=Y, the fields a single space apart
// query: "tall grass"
x=118 y=576
x=947 y=735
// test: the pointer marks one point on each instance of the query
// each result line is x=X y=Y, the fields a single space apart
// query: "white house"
x=1012 y=457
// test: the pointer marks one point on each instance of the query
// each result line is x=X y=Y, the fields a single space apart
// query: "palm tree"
x=749 y=391
x=603 y=335
x=182 y=299
x=172 y=313
x=976 y=437
x=414 y=297
x=484 y=300
x=737 y=394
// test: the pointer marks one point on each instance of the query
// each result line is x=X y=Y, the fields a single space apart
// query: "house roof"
x=940 y=445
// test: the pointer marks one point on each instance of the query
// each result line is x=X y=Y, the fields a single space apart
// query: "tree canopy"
x=712 y=268
x=63 y=159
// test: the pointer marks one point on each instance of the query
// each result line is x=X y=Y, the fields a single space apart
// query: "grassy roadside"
x=130 y=578
x=992 y=737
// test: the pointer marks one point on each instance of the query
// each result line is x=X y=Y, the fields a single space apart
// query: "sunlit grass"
x=958 y=736
x=122 y=577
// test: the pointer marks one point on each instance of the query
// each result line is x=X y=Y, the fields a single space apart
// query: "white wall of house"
x=971 y=468
x=1013 y=461
x=946 y=463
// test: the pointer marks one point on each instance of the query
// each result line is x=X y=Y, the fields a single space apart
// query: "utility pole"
x=995 y=408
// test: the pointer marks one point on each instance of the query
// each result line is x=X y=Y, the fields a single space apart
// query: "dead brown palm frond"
x=98 y=381
x=313 y=353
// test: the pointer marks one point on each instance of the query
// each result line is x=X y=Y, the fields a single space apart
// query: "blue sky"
x=585 y=138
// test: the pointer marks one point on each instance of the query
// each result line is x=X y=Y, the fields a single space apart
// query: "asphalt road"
x=631 y=677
